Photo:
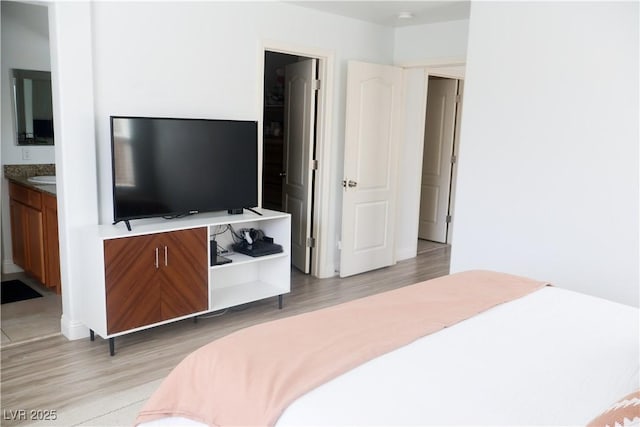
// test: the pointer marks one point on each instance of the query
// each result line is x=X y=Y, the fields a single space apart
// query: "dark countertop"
x=20 y=175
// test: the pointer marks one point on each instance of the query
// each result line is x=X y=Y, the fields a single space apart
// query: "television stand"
x=132 y=278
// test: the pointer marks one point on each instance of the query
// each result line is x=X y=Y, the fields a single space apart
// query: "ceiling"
x=386 y=12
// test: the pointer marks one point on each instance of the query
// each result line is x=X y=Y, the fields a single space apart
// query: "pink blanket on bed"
x=249 y=377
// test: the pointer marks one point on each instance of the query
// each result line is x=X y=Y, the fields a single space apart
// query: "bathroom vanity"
x=34 y=230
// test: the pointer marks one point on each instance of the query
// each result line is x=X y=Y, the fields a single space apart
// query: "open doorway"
x=29 y=214
x=289 y=136
x=441 y=133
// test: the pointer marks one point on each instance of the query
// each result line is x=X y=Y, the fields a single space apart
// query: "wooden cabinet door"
x=27 y=233
x=132 y=288
x=51 y=245
x=184 y=270
x=35 y=246
x=155 y=277
x=18 y=234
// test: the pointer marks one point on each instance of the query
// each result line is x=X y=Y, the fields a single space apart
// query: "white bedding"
x=554 y=357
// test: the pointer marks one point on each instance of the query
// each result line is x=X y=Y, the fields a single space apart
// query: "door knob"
x=352 y=183
x=282 y=174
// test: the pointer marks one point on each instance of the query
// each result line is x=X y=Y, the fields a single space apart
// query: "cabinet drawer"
x=25 y=195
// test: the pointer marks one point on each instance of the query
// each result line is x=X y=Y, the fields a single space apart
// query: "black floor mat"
x=16 y=290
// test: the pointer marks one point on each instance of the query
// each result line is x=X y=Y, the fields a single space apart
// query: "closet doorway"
x=289 y=134
x=441 y=133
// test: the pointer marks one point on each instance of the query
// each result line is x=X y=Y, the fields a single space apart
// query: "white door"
x=372 y=139
x=299 y=131
x=437 y=158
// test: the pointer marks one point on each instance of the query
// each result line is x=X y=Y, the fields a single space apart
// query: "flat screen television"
x=171 y=167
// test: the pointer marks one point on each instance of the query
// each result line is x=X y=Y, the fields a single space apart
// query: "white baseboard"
x=9 y=267
x=73 y=330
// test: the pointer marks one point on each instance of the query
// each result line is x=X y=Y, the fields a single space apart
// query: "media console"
x=161 y=271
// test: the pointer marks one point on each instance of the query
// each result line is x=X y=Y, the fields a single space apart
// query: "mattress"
x=553 y=357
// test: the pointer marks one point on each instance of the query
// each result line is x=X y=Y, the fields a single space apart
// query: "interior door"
x=437 y=161
x=372 y=139
x=299 y=125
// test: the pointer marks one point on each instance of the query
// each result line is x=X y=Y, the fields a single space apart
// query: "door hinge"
x=316 y=85
x=453 y=159
x=311 y=242
x=314 y=165
x=458 y=99
x=448 y=220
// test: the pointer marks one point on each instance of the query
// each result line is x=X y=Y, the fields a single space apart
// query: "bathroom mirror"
x=33 y=108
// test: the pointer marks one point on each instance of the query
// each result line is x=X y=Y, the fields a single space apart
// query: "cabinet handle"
x=166 y=256
x=157 y=265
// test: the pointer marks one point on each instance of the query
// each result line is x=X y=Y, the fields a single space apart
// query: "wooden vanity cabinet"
x=18 y=233
x=155 y=277
x=27 y=230
x=51 y=242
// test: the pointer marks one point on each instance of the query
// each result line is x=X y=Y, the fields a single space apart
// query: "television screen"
x=173 y=167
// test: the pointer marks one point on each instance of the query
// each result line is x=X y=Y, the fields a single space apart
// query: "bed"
x=516 y=352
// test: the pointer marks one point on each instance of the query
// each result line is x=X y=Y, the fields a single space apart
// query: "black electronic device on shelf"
x=257 y=248
x=253 y=242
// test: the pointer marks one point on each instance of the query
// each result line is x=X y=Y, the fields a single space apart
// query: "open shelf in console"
x=237 y=259
x=242 y=294
x=248 y=279
x=245 y=278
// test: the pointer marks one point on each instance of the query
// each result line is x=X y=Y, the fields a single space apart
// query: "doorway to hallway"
x=289 y=146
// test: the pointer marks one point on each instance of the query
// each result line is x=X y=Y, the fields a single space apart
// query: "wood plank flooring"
x=54 y=373
x=31 y=319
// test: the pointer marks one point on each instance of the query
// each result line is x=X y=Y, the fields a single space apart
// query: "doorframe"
x=320 y=265
x=450 y=71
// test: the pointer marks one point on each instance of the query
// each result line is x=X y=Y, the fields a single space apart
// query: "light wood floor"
x=54 y=373
x=428 y=245
x=31 y=319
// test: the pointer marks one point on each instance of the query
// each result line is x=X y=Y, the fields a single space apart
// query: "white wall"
x=73 y=97
x=196 y=59
x=25 y=45
x=417 y=44
x=203 y=59
x=548 y=163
